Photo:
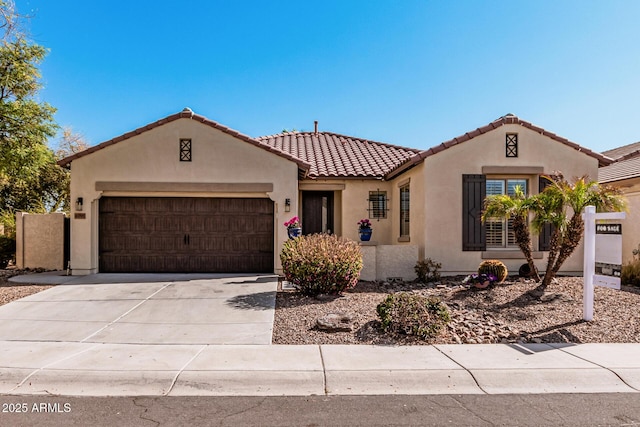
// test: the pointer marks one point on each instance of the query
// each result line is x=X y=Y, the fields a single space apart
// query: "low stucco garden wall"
x=381 y=262
x=40 y=240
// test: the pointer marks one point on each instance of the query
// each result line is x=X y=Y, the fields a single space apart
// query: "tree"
x=517 y=209
x=27 y=165
x=70 y=143
x=559 y=204
x=9 y=19
x=56 y=180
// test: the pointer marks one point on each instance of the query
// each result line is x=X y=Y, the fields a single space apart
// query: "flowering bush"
x=293 y=223
x=480 y=280
x=321 y=263
x=364 y=223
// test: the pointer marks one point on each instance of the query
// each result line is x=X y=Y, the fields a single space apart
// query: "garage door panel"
x=186 y=235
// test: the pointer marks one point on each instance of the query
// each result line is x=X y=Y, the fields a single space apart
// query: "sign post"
x=609 y=249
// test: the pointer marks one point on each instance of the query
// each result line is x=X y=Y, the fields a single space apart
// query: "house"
x=624 y=173
x=188 y=194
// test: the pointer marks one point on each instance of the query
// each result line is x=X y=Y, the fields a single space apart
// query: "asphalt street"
x=610 y=409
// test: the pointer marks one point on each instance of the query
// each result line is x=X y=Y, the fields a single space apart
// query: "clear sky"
x=411 y=73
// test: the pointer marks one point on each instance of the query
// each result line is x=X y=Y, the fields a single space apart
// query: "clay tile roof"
x=188 y=114
x=626 y=168
x=628 y=150
x=504 y=120
x=332 y=155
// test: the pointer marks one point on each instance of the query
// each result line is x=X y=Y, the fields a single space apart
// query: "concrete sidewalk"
x=158 y=335
x=89 y=369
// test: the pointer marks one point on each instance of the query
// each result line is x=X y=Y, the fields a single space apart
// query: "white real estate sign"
x=608 y=254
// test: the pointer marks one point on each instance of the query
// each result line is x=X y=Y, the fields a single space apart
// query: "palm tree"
x=516 y=208
x=561 y=204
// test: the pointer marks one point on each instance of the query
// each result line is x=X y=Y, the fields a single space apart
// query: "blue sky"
x=412 y=73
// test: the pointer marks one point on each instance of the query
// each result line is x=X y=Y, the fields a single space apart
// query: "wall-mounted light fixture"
x=79 y=203
x=287 y=205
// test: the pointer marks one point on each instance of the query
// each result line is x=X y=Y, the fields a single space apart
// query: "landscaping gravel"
x=503 y=313
x=13 y=291
x=506 y=312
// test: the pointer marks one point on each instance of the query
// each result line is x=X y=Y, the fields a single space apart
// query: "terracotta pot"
x=482 y=285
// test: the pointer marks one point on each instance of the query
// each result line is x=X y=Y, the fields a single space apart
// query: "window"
x=404 y=211
x=377 y=204
x=499 y=232
x=185 y=150
x=512 y=145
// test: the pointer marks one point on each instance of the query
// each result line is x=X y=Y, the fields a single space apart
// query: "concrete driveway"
x=146 y=309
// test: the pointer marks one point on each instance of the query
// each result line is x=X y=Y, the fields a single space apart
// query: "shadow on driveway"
x=257 y=301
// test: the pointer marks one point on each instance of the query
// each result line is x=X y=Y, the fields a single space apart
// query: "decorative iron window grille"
x=185 y=150
x=377 y=204
x=512 y=145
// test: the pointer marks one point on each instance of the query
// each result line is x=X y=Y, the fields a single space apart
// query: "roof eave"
x=187 y=114
x=505 y=120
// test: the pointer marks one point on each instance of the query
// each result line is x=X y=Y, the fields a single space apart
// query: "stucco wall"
x=415 y=178
x=631 y=224
x=383 y=262
x=40 y=240
x=153 y=156
x=350 y=206
x=443 y=191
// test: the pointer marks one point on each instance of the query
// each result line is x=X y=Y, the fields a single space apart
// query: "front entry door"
x=317 y=212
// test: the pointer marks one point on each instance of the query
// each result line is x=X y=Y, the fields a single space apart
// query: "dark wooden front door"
x=317 y=212
x=177 y=234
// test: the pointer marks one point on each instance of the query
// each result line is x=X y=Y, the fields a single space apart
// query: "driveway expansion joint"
x=125 y=314
x=181 y=370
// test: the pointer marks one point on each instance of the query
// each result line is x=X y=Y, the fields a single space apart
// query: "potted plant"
x=294 y=227
x=364 y=227
x=480 y=281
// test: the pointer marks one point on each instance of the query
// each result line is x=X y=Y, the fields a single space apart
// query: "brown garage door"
x=173 y=234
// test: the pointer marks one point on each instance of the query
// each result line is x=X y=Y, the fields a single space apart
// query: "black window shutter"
x=544 y=239
x=474 y=190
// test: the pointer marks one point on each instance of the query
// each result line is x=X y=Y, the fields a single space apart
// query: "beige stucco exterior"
x=148 y=165
x=350 y=206
x=436 y=187
x=40 y=240
x=226 y=164
x=631 y=224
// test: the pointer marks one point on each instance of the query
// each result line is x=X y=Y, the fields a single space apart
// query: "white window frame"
x=499 y=231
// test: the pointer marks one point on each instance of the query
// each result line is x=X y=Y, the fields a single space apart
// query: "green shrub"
x=427 y=270
x=413 y=314
x=630 y=275
x=495 y=267
x=321 y=263
x=7 y=250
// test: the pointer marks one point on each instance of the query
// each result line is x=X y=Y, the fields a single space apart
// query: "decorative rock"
x=335 y=322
